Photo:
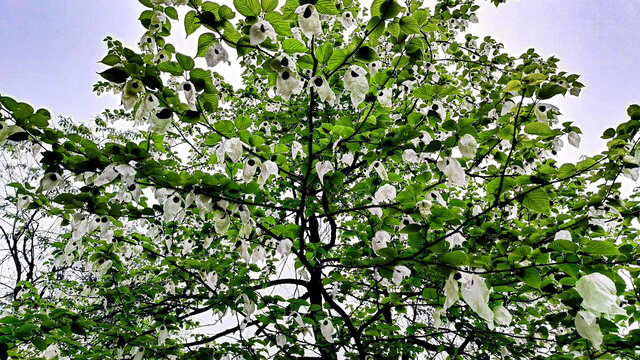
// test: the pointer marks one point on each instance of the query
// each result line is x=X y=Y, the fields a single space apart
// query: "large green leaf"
x=537 y=201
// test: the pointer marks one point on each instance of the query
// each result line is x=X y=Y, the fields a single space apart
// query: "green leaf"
x=191 y=22
x=513 y=85
x=538 y=128
x=242 y=122
x=600 y=248
x=454 y=258
x=366 y=54
x=506 y=132
x=171 y=12
x=409 y=25
x=531 y=277
x=171 y=67
x=324 y=52
x=537 y=201
x=248 y=7
x=111 y=60
x=225 y=127
x=327 y=7
x=385 y=9
x=26 y=330
x=563 y=245
x=204 y=41
x=185 y=61
x=117 y=75
x=548 y=91
x=280 y=25
x=269 y=5
x=292 y=46
x=226 y=12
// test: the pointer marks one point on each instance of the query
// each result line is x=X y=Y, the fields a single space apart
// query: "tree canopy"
x=384 y=185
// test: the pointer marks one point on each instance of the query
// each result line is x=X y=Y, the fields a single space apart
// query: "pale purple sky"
x=50 y=50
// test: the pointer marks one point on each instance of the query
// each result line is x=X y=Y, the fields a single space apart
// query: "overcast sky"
x=50 y=50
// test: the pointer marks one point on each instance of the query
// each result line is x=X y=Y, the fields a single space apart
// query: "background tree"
x=383 y=186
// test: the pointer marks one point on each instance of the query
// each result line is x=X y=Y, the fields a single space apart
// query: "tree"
x=383 y=186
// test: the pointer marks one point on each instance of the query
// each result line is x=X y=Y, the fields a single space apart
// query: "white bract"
x=574 y=139
x=450 y=291
x=260 y=31
x=327 y=330
x=380 y=241
x=284 y=247
x=468 y=146
x=347 y=19
x=287 y=84
x=385 y=193
x=598 y=294
x=355 y=81
x=455 y=240
x=380 y=169
x=501 y=315
x=309 y=20
x=189 y=93
x=588 y=328
x=322 y=88
x=476 y=294
x=322 y=168
x=400 y=272
x=216 y=54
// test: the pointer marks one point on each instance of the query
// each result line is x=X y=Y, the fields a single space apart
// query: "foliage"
x=384 y=185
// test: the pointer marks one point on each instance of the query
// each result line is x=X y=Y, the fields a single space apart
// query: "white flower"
x=221 y=222
x=160 y=121
x=455 y=240
x=211 y=279
x=476 y=210
x=287 y=84
x=575 y=91
x=281 y=340
x=563 y=235
x=249 y=169
x=424 y=207
x=137 y=352
x=284 y=247
x=296 y=148
x=233 y=148
x=189 y=92
x=8 y=130
x=163 y=333
x=410 y=156
x=327 y=330
x=147 y=43
x=51 y=352
x=453 y=170
x=437 y=321
x=243 y=250
x=106 y=176
x=380 y=169
x=309 y=20
x=101 y=267
x=450 y=292
x=267 y=169
x=258 y=255
x=598 y=294
x=172 y=206
x=385 y=97
x=260 y=31
x=49 y=182
x=347 y=159
x=127 y=173
x=380 y=241
x=249 y=306
x=322 y=168
x=322 y=88
x=632 y=174
x=216 y=54
x=506 y=107
x=476 y=294
x=23 y=202
x=468 y=145
x=574 y=139
x=400 y=272
x=501 y=315
x=588 y=328
x=347 y=19
x=557 y=144
x=542 y=111
x=187 y=246
x=438 y=109
x=386 y=192
x=355 y=81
